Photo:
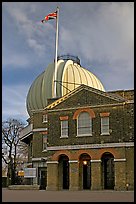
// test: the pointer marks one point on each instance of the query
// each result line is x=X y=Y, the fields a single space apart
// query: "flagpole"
x=56 y=50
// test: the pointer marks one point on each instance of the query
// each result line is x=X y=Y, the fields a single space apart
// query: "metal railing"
x=69 y=57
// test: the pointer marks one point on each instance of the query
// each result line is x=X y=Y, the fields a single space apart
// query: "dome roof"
x=69 y=76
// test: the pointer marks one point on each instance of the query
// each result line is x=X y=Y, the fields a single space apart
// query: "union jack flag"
x=50 y=16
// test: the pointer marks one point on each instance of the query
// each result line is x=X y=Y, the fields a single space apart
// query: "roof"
x=115 y=97
x=70 y=75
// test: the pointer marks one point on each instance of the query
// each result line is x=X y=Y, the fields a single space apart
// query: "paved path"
x=66 y=196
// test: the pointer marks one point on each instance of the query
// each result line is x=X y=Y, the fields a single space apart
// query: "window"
x=84 y=124
x=104 y=125
x=45 y=118
x=44 y=142
x=64 y=128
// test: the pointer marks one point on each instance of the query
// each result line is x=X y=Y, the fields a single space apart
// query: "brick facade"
x=117 y=146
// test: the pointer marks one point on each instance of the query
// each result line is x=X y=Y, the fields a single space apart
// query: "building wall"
x=130 y=167
x=123 y=168
x=121 y=126
x=121 y=117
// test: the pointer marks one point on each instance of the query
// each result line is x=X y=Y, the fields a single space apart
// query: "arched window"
x=84 y=124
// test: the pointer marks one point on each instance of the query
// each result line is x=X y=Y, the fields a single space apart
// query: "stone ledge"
x=24 y=187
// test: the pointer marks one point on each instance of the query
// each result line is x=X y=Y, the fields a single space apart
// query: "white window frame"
x=62 y=128
x=103 y=132
x=45 y=118
x=84 y=134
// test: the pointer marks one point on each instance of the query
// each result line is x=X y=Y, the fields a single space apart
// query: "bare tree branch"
x=10 y=138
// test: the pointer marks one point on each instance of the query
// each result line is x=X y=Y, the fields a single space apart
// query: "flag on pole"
x=50 y=16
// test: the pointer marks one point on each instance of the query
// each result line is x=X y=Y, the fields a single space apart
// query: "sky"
x=101 y=34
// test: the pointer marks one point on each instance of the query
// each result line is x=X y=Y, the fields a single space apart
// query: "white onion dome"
x=70 y=75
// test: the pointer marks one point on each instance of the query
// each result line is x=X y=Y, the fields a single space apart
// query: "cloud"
x=14 y=101
x=37 y=47
x=101 y=34
x=15 y=60
x=102 y=31
x=107 y=35
x=32 y=30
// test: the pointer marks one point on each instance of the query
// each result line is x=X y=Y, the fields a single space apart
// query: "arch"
x=62 y=156
x=113 y=151
x=90 y=111
x=57 y=154
x=63 y=171
x=107 y=170
x=84 y=155
x=84 y=171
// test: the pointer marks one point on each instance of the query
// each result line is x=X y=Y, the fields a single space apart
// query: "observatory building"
x=84 y=137
x=69 y=76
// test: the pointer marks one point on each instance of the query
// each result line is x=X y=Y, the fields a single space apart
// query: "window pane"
x=45 y=119
x=64 y=132
x=84 y=124
x=64 y=128
x=64 y=124
x=105 y=120
x=105 y=125
x=105 y=129
x=82 y=131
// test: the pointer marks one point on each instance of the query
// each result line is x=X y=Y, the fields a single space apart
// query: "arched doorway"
x=42 y=177
x=63 y=172
x=108 y=180
x=84 y=171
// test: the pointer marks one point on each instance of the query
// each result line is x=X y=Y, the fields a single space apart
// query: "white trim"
x=39 y=159
x=52 y=162
x=27 y=164
x=75 y=108
x=105 y=134
x=95 y=160
x=90 y=146
x=40 y=129
x=73 y=161
x=65 y=136
x=30 y=133
x=99 y=92
x=36 y=159
x=87 y=135
x=45 y=150
x=45 y=122
x=45 y=118
x=120 y=159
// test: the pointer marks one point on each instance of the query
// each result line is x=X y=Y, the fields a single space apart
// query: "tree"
x=11 y=143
